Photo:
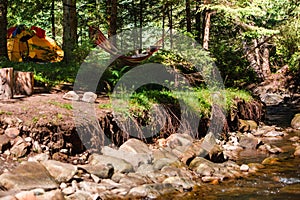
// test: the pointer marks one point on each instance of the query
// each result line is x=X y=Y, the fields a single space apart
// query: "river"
x=277 y=181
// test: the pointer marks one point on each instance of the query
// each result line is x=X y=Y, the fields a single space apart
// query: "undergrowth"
x=46 y=74
x=199 y=100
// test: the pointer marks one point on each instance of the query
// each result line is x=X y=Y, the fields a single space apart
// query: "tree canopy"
x=252 y=36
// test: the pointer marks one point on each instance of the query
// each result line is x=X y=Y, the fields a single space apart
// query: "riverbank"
x=40 y=129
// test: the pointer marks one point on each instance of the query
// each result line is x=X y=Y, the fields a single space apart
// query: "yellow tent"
x=32 y=45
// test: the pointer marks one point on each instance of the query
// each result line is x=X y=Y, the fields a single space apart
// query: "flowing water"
x=277 y=181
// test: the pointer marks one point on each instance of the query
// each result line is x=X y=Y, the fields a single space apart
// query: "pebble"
x=244 y=168
x=63 y=185
x=95 y=178
x=68 y=190
x=294 y=139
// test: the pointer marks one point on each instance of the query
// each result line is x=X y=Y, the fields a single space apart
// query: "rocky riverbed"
x=174 y=167
x=136 y=170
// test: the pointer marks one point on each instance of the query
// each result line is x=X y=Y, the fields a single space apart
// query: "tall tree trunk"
x=141 y=23
x=188 y=16
x=258 y=57
x=265 y=61
x=206 y=29
x=113 y=21
x=170 y=16
x=206 y=25
x=135 y=18
x=69 y=29
x=3 y=28
x=198 y=21
x=163 y=26
x=53 y=19
x=257 y=53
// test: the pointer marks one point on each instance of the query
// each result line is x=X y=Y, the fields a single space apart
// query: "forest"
x=248 y=40
x=214 y=113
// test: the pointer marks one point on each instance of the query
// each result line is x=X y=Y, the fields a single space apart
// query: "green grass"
x=46 y=74
x=105 y=106
x=5 y=112
x=67 y=106
x=199 y=100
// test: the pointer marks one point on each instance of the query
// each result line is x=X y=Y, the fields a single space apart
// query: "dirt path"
x=40 y=107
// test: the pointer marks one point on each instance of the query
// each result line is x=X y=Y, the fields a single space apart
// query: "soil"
x=39 y=107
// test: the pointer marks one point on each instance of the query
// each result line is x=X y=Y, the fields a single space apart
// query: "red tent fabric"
x=41 y=33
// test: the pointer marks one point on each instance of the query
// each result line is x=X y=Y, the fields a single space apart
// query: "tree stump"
x=6 y=83
x=23 y=83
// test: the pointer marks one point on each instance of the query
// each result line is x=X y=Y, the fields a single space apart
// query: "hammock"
x=101 y=41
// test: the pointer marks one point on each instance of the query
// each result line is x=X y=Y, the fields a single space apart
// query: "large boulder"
x=271 y=99
x=296 y=121
x=28 y=175
x=119 y=165
x=62 y=172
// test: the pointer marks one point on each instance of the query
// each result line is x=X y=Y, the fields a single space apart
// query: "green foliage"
x=46 y=74
x=288 y=44
x=198 y=100
x=61 y=105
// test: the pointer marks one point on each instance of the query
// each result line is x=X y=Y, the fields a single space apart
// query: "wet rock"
x=244 y=168
x=134 y=158
x=294 y=139
x=135 y=146
x=271 y=99
x=247 y=125
x=4 y=142
x=28 y=175
x=193 y=151
x=207 y=179
x=152 y=191
x=249 y=142
x=109 y=184
x=19 y=148
x=160 y=163
x=177 y=139
x=53 y=195
x=156 y=177
x=163 y=153
x=89 y=97
x=274 y=133
x=202 y=166
x=36 y=147
x=216 y=154
x=80 y=195
x=12 y=133
x=270 y=161
x=263 y=130
x=132 y=180
x=296 y=121
x=62 y=172
x=39 y=157
x=100 y=170
x=273 y=149
x=253 y=167
x=180 y=182
x=145 y=168
x=25 y=195
x=71 y=95
x=68 y=190
x=171 y=171
x=119 y=165
x=297 y=151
